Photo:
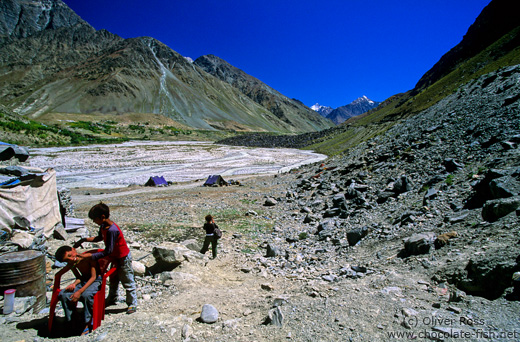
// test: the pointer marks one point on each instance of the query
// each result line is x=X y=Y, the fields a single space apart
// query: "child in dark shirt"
x=209 y=227
x=117 y=251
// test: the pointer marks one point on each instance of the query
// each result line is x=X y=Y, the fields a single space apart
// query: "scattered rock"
x=275 y=317
x=209 y=314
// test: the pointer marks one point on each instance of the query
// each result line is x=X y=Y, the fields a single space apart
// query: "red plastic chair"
x=98 y=308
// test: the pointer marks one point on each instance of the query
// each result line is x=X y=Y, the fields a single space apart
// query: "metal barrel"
x=25 y=272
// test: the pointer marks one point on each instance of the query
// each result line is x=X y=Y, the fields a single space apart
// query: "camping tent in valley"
x=215 y=180
x=156 y=181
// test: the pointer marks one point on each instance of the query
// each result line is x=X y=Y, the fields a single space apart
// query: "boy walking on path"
x=210 y=227
x=116 y=249
x=83 y=289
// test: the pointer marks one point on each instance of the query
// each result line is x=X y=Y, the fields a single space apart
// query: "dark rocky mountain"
x=20 y=19
x=54 y=62
x=497 y=19
x=286 y=109
x=357 y=107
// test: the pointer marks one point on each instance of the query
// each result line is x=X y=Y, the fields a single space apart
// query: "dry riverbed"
x=132 y=163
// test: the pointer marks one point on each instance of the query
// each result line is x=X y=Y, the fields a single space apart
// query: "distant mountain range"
x=322 y=110
x=53 y=62
x=341 y=114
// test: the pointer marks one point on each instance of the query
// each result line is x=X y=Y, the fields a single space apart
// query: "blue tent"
x=156 y=181
x=215 y=180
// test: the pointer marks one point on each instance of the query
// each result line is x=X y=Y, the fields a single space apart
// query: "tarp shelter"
x=34 y=198
x=7 y=151
x=156 y=181
x=215 y=180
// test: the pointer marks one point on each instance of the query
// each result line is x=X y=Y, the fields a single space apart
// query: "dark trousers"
x=213 y=240
x=87 y=298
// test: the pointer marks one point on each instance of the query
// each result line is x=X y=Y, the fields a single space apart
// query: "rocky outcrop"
x=21 y=19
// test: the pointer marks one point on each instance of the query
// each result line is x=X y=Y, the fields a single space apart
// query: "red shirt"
x=115 y=243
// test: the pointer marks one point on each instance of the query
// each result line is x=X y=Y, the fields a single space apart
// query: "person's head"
x=66 y=254
x=99 y=213
x=209 y=218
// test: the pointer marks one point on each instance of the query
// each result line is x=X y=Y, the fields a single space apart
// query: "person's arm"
x=93 y=275
x=62 y=272
x=72 y=286
x=111 y=238
x=97 y=238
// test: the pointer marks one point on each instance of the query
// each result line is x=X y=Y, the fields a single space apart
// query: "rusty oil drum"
x=25 y=272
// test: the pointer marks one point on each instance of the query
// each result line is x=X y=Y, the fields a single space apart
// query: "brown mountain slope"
x=286 y=109
x=63 y=65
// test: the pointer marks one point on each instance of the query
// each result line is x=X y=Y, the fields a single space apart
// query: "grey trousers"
x=125 y=275
x=87 y=298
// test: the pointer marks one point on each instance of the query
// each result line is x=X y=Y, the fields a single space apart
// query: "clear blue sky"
x=326 y=51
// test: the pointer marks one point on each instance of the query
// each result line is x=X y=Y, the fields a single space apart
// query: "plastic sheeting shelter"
x=7 y=151
x=34 y=199
x=156 y=181
x=215 y=180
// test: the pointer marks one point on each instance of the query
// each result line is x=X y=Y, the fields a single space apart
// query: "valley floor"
x=394 y=300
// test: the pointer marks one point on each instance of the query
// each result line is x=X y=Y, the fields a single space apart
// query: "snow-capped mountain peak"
x=322 y=110
x=362 y=99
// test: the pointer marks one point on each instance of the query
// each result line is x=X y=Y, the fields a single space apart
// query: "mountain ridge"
x=61 y=64
x=286 y=109
x=357 y=107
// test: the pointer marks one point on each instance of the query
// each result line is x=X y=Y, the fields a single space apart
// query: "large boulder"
x=169 y=255
x=488 y=276
x=402 y=185
x=273 y=251
x=495 y=209
x=420 y=243
x=355 y=235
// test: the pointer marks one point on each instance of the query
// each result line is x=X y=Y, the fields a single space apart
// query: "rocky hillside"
x=469 y=60
x=285 y=109
x=55 y=63
x=496 y=20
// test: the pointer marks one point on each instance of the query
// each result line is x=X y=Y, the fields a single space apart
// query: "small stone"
x=186 y=332
x=454 y=309
x=138 y=268
x=267 y=287
x=407 y=312
x=328 y=277
x=275 y=317
x=278 y=301
x=60 y=233
x=270 y=202
x=209 y=314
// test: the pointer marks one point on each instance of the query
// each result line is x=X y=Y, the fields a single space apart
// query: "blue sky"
x=325 y=51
